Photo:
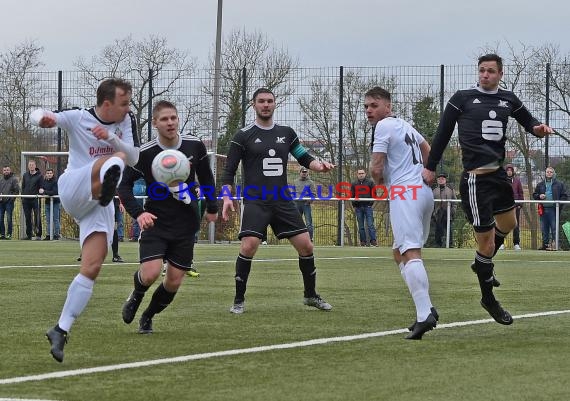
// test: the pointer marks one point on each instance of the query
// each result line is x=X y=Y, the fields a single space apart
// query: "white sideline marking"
x=208 y=355
x=19 y=399
x=201 y=262
x=208 y=261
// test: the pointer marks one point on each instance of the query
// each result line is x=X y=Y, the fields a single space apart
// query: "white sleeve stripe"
x=451 y=104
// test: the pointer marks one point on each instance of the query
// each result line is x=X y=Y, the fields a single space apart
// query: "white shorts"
x=410 y=219
x=74 y=188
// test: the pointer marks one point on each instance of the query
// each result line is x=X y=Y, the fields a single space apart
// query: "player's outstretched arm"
x=542 y=130
x=43 y=118
x=228 y=202
x=321 y=166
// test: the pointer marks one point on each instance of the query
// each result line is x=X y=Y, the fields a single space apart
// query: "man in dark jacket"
x=31 y=184
x=549 y=190
x=362 y=188
x=8 y=186
x=518 y=195
x=49 y=187
x=443 y=192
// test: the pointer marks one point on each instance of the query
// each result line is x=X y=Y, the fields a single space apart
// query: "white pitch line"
x=207 y=261
x=264 y=348
x=20 y=399
x=200 y=262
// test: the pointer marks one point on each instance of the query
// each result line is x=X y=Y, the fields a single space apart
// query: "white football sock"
x=78 y=295
x=416 y=278
x=111 y=161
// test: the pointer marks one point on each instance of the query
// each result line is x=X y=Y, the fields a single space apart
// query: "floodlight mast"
x=216 y=103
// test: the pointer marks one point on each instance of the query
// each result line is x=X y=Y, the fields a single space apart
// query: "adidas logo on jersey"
x=257 y=141
x=476 y=101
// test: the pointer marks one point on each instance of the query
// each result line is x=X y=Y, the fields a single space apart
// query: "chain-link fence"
x=324 y=106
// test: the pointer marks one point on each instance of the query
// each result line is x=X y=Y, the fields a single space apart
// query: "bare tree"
x=320 y=117
x=150 y=59
x=20 y=89
x=320 y=123
x=264 y=66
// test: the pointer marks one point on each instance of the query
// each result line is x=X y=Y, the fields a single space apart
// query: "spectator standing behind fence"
x=303 y=185
x=443 y=192
x=31 y=183
x=139 y=189
x=548 y=190
x=518 y=195
x=8 y=186
x=362 y=188
x=49 y=188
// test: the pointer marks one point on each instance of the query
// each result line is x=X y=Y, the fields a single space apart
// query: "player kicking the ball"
x=398 y=151
x=101 y=140
x=169 y=223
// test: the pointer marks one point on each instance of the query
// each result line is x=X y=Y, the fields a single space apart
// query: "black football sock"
x=307 y=267
x=140 y=288
x=115 y=244
x=160 y=300
x=243 y=267
x=499 y=239
x=484 y=270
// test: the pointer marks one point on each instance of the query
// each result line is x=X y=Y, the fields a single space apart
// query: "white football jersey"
x=83 y=146
x=401 y=143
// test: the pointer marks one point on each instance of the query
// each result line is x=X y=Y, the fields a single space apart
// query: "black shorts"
x=156 y=243
x=485 y=195
x=283 y=217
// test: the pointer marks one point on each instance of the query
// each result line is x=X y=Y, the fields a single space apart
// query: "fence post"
x=340 y=211
x=243 y=95
x=547 y=115
x=441 y=99
x=149 y=108
x=59 y=108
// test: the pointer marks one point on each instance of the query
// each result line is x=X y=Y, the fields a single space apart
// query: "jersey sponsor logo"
x=280 y=139
x=101 y=151
x=476 y=101
x=257 y=140
x=503 y=103
x=492 y=130
x=273 y=166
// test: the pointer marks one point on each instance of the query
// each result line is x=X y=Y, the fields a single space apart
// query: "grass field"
x=199 y=351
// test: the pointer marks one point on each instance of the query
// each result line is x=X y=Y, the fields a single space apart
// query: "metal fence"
x=323 y=105
x=458 y=232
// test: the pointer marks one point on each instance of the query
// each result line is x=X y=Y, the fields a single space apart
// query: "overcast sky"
x=318 y=32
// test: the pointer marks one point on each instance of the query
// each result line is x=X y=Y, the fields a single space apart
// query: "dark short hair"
x=108 y=89
x=163 y=104
x=491 y=57
x=442 y=175
x=260 y=91
x=379 y=93
x=49 y=169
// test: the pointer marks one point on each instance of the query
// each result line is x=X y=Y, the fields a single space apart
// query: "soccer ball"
x=170 y=167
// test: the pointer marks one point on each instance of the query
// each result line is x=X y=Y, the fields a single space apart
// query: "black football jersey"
x=171 y=213
x=481 y=118
x=264 y=154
